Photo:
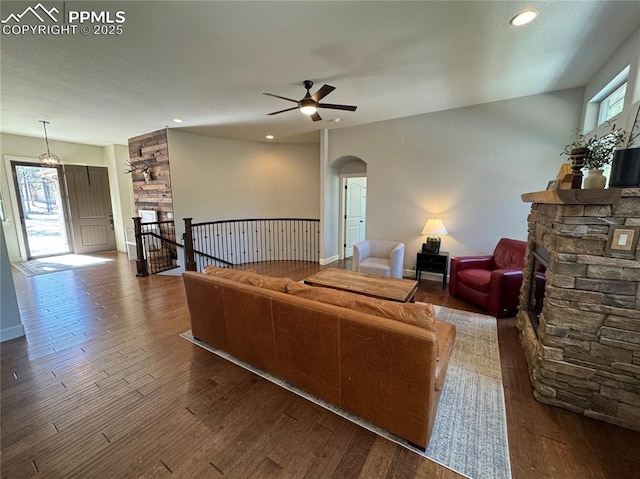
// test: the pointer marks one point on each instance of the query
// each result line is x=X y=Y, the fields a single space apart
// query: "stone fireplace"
x=579 y=315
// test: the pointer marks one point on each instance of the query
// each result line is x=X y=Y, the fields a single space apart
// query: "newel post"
x=190 y=262
x=141 y=262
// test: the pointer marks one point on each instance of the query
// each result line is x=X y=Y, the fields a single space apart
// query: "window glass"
x=612 y=104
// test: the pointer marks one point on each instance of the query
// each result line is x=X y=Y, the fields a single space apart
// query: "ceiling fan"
x=310 y=103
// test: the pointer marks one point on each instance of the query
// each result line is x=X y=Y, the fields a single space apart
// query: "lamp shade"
x=434 y=226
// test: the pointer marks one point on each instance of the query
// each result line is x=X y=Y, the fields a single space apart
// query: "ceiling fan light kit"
x=308 y=108
x=309 y=104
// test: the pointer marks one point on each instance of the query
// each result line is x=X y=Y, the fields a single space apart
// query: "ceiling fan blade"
x=316 y=117
x=337 y=107
x=322 y=92
x=281 y=97
x=282 y=111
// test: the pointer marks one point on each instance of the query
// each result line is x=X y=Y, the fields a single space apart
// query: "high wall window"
x=612 y=104
x=608 y=102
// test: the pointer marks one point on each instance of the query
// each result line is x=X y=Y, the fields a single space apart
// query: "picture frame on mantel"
x=622 y=240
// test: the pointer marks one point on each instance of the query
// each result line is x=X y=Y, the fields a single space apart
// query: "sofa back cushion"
x=417 y=314
x=250 y=277
x=509 y=254
x=206 y=308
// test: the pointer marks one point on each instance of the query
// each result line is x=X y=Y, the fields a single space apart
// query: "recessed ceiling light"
x=523 y=18
x=269 y=137
x=177 y=120
x=336 y=120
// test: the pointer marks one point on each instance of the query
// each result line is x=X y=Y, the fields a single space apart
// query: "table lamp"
x=433 y=228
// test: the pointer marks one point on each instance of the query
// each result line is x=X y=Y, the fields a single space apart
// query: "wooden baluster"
x=190 y=263
x=141 y=262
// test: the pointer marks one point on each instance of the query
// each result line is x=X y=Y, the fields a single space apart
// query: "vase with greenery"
x=598 y=152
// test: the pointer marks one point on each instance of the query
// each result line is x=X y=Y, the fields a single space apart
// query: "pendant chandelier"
x=48 y=158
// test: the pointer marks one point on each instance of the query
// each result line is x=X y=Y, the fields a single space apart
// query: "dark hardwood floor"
x=103 y=386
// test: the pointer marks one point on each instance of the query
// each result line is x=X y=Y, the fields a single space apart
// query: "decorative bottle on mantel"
x=595 y=180
x=577 y=157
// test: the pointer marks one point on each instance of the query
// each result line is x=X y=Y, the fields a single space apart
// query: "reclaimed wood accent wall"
x=155 y=193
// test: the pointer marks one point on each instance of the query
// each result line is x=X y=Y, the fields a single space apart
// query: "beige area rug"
x=54 y=264
x=470 y=431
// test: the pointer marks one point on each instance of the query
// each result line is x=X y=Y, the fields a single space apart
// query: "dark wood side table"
x=433 y=263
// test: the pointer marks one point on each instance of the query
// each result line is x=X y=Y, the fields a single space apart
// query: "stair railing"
x=156 y=246
x=231 y=242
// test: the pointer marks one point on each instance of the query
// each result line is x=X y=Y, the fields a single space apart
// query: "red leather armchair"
x=492 y=281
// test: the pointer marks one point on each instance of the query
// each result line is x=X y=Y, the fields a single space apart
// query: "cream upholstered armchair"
x=382 y=258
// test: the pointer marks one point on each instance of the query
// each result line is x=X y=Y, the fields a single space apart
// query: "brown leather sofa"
x=491 y=281
x=386 y=371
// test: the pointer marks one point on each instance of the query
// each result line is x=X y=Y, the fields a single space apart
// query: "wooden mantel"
x=609 y=196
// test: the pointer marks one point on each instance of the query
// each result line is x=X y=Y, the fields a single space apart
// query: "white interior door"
x=355 y=213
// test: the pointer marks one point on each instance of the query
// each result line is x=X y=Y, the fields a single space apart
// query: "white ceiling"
x=209 y=62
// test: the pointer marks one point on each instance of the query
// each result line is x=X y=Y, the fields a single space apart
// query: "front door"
x=42 y=210
x=355 y=212
x=90 y=207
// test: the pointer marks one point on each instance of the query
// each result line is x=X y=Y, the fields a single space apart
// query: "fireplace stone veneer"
x=585 y=356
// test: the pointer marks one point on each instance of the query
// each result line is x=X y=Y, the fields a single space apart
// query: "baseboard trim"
x=13 y=332
x=331 y=259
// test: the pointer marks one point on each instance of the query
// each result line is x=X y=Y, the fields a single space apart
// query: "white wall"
x=116 y=157
x=10 y=324
x=27 y=149
x=468 y=166
x=216 y=179
x=627 y=54
x=329 y=195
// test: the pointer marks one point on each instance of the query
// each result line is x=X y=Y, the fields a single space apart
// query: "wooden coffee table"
x=401 y=290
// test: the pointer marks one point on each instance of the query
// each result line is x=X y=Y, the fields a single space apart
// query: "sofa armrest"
x=445 y=335
x=384 y=349
x=504 y=291
x=206 y=308
x=396 y=261
x=360 y=253
x=505 y=277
